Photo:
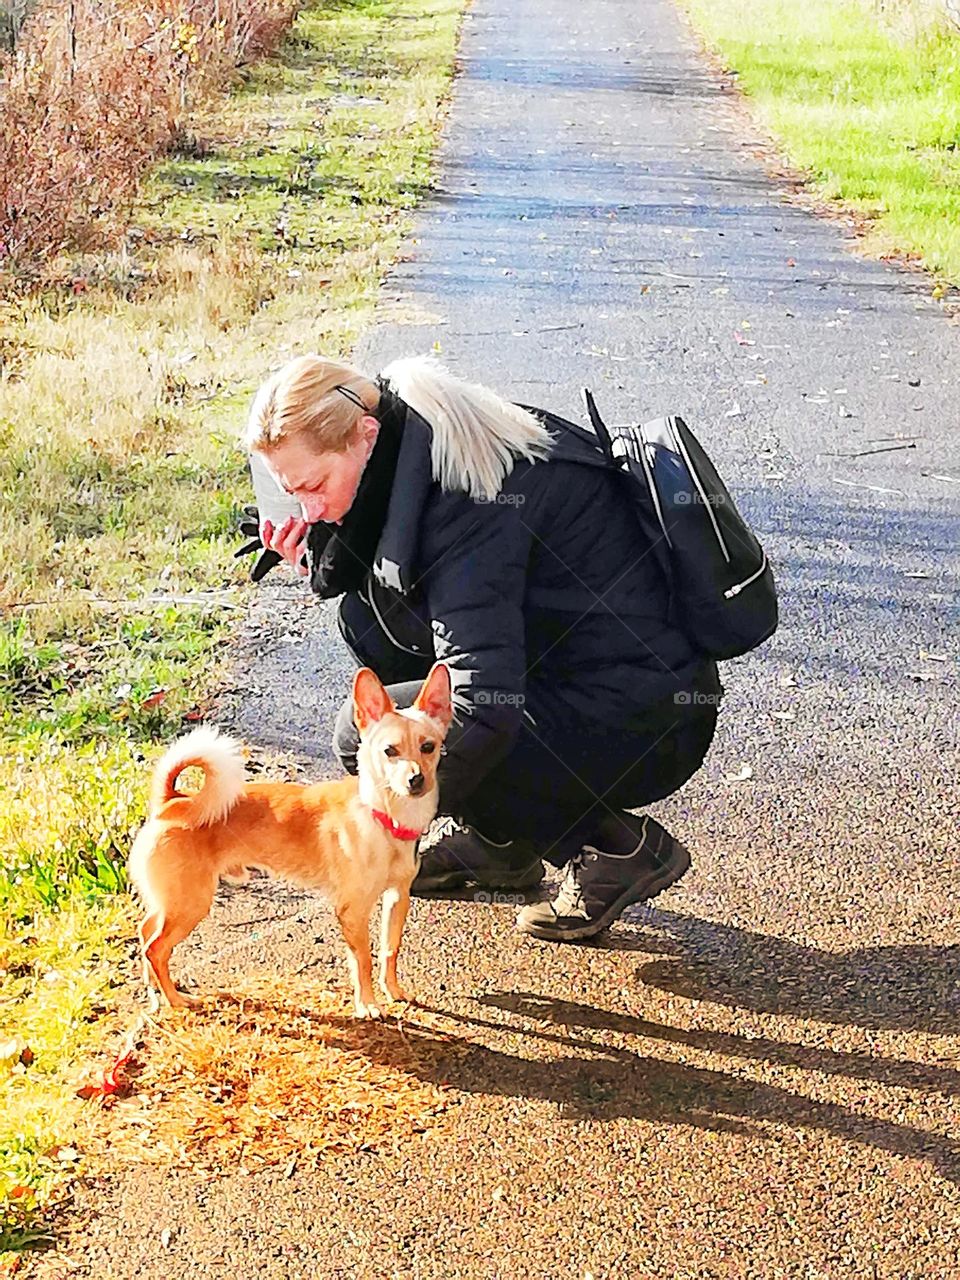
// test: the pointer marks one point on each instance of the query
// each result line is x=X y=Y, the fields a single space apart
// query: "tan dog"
x=355 y=838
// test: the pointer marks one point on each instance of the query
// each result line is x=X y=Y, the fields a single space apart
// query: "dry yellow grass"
x=274 y=1072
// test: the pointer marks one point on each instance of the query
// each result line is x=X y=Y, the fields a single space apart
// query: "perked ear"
x=371 y=702
x=434 y=696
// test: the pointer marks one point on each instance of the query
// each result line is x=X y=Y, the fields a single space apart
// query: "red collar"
x=388 y=824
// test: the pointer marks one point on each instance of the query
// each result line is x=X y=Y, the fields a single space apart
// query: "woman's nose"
x=313 y=509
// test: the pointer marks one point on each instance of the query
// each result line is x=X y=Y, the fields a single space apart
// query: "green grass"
x=871 y=112
x=123 y=389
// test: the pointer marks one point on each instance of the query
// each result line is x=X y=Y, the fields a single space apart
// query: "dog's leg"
x=148 y=927
x=396 y=903
x=158 y=952
x=160 y=948
x=355 y=926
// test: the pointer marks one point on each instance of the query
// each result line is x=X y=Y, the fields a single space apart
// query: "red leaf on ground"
x=114 y=1081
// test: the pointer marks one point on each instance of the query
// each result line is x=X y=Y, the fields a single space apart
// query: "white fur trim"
x=477 y=435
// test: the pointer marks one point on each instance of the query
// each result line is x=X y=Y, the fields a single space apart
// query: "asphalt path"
x=758 y=1076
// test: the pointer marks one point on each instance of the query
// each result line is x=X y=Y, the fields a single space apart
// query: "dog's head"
x=400 y=749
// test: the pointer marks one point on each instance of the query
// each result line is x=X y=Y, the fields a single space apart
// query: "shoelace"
x=570 y=894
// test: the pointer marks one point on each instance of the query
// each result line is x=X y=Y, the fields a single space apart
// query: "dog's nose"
x=416 y=784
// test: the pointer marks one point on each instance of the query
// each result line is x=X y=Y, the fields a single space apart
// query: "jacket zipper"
x=384 y=628
x=739 y=586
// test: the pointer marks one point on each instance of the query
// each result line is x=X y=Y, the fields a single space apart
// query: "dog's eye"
x=390 y=751
x=427 y=747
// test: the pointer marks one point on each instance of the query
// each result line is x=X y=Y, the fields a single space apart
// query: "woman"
x=458 y=526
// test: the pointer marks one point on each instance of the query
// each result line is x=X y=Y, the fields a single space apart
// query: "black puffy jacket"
x=545 y=602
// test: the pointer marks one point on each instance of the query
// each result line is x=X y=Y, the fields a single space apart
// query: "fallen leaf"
x=153 y=699
x=114 y=1080
x=784 y=715
x=734 y=411
x=744 y=342
x=929 y=657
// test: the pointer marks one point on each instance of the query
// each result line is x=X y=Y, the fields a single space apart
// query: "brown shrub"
x=93 y=93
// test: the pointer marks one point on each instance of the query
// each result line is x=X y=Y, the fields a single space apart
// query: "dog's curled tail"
x=220 y=759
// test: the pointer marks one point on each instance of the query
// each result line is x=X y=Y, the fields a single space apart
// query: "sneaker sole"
x=460 y=880
x=669 y=875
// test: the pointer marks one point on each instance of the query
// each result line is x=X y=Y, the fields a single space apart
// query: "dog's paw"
x=369 y=1011
x=183 y=1001
x=399 y=994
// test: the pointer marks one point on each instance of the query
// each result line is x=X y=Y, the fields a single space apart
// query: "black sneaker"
x=598 y=886
x=467 y=857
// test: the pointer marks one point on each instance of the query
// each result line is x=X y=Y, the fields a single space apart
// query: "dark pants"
x=564 y=775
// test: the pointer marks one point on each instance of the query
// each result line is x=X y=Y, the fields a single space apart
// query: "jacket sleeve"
x=475 y=559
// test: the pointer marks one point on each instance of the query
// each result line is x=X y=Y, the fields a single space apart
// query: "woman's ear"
x=368 y=430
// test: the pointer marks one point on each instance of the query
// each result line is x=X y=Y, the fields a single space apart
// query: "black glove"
x=250 y=528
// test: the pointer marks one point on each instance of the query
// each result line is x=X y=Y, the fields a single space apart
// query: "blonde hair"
x=301 y=400
x=476 y=434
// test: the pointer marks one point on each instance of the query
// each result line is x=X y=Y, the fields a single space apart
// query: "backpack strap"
x=600 y=428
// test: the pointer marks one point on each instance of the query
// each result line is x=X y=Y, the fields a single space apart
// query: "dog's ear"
x=434 y=696
x=371 y=702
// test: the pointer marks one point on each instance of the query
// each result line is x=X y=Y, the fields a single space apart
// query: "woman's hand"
x=288 y=541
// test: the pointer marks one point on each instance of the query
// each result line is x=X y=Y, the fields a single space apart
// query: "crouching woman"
x=458 y=526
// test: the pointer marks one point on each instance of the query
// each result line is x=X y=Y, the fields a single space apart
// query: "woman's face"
x=324 y=484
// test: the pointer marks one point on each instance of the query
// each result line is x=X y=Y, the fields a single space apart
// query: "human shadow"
x=897 y=1072
x=904 y=988
x=597 y=1081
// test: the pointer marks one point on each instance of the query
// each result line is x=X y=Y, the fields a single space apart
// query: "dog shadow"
x=597 y=1081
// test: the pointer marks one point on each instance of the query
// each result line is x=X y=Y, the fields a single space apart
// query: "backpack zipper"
x=640 y=453
x=700 y=489
x=739 y=586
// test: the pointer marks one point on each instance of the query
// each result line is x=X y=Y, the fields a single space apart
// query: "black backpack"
x=723 y=595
